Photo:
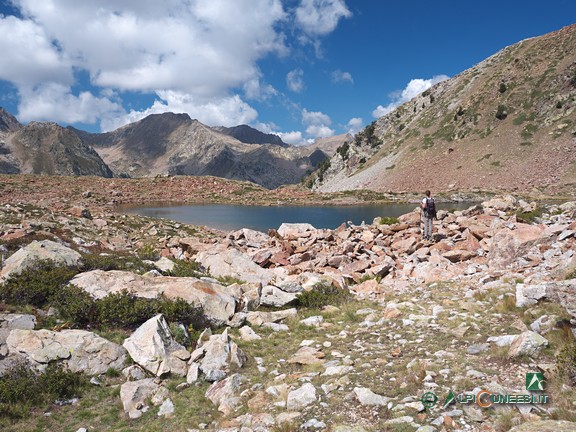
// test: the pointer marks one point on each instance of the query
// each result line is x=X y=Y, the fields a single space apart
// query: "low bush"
x=529 y=217
x=36 y=284
x=186 y=269
x=566 y=365
x=115 y=261
x=122 y=310
x=388 y=220
x=22 y=388
x=323 y=294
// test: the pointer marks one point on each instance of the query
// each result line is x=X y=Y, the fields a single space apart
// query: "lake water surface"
x=262 y=218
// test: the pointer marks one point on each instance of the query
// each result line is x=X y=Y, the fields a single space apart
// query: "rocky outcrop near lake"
x=303 y=328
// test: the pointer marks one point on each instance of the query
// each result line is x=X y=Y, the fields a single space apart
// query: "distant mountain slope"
x=507 y=123
x=174 y=144
x=249 y=135
x=45 y=148
x=8 y=162
x=49 y=149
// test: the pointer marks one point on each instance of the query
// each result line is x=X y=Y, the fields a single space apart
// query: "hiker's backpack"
x=430 y=208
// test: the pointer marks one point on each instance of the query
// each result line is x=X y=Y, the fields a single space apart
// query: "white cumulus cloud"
x=295 y=80
x=294 y=137
x=201 y=50
x=413 y=89
x=355 y=125
x=320 y=17
x=342 y=77
x=317 y=124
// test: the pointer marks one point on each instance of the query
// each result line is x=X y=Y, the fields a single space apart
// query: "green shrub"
x=22 y=388
x=529 y=217
x=323 y=294
x=117 y=261
x=388 y=220
x=566 y=364
x=37 y=284
x=122 y=309
x=148 y=252
x=571 y=275
x=502 y=88
x=186 y=269
x=76 y=306
x=501 y=112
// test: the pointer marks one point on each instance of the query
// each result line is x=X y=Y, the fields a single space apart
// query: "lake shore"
x=103 y=195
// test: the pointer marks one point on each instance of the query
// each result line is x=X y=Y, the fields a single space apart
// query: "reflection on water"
x=262 y=218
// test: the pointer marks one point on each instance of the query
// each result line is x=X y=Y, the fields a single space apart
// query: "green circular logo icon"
x=429 y=399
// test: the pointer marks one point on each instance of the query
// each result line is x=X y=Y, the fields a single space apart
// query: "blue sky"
x=300 y=68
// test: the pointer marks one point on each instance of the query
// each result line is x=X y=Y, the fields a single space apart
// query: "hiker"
x=429 y=214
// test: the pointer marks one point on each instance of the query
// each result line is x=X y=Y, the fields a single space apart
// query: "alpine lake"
x=262 y=218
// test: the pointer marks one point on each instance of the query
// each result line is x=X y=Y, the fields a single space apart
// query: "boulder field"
x=489 y=300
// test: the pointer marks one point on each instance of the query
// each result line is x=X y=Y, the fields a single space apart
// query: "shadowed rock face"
x=249 y=135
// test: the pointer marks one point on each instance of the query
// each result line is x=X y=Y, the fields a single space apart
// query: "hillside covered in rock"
x=508 y=123
x=46 y=149
x=298 y=328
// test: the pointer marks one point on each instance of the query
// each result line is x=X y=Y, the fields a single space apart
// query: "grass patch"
x=571 y=275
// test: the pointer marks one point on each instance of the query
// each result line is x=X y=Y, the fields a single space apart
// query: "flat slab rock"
x=79 y=350
x=218 y=304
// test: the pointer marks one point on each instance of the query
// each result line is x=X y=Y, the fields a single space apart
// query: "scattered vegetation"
x=323 y=294
x=501 y=112
x=343 y=150
x=186 y=269
x=121 y=310
x=388 y=220
x=529 y=217
x=502 y=88
x=36 y=285
x=22 y=388
x=368 y=135
x=148 y=252
x=116 y=261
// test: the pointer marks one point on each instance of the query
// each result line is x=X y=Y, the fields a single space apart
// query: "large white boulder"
x=78 y=350
x=153 y=347
x=36 y=251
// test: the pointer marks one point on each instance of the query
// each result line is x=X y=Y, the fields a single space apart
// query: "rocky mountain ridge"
x=163 y=144
x=508 y=123
x=45 y=149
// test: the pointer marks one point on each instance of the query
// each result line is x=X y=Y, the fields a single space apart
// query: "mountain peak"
x=8 y=122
